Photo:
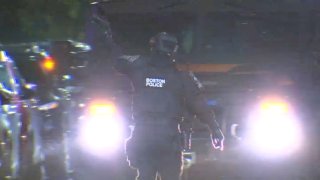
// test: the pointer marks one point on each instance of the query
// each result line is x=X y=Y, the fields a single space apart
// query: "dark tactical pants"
x=155 y=149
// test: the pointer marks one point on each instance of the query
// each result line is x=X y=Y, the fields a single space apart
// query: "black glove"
x=217 y=139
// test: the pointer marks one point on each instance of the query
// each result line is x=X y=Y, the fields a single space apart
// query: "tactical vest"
x=157 y=94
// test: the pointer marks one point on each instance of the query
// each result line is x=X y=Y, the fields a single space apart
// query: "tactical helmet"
x=164 y=43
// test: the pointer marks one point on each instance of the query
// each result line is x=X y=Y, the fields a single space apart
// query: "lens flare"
x=101 y=130
x=274 y=130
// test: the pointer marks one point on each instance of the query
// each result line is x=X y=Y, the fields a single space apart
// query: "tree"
x=36 y=20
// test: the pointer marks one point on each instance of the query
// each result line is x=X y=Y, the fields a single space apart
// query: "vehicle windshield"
x=29 y=69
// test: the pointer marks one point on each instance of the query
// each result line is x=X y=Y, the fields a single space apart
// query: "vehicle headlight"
x=101 y=129
x=274 y=129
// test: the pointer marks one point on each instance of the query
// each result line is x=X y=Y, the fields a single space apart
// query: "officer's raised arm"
x=127 y=64
x=195 y=102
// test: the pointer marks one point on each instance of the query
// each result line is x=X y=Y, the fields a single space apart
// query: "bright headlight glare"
x=274 y=130
x=101 y=131
x=102 y=109
x=274 y=108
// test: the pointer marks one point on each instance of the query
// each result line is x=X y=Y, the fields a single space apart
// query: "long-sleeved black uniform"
x=161 y=93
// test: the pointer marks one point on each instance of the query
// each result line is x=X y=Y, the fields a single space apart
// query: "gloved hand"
x=217 y=139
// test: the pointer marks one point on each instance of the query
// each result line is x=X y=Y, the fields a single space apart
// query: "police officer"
x=160 y=94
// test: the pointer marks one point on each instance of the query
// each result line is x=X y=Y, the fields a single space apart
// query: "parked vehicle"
x=46 y=64
x=20 y=120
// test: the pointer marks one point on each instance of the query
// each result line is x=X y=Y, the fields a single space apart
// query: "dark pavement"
x=211 y=165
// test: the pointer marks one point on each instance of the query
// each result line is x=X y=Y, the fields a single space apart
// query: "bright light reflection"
x=274 y=130
x=101 y=132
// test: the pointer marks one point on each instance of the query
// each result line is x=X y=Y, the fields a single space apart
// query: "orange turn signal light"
x=48 y=64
